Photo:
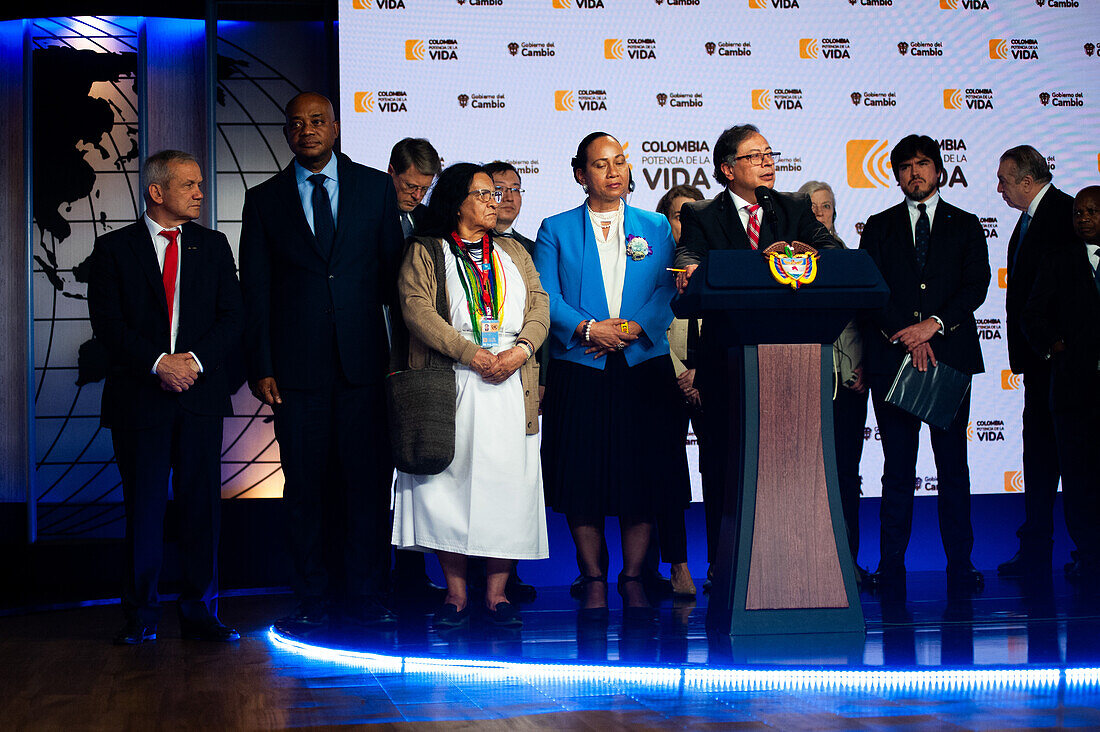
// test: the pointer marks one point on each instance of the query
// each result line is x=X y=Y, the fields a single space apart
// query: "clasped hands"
x=495 y=369
x=607 y=336
x=916 y=339
x=177 y=372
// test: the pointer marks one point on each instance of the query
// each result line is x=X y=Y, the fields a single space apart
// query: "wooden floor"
x=58 y=671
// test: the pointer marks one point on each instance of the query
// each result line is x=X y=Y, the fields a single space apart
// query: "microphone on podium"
x=764 y=198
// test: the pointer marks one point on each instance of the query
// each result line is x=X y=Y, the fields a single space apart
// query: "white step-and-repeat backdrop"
x=832 y=84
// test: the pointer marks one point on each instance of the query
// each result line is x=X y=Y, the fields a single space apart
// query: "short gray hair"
x=811 y=187
x=1029 y=161
x=158 y=167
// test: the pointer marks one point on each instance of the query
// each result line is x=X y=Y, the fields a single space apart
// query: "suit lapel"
x=730 y=221
x=593 y=294
x=943 y=223
x=292 y=203
x=146 y=256
x=905 y=233
x=348 y=192
x=190 y=268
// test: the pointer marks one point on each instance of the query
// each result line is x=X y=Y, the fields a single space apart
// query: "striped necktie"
x=754 y=225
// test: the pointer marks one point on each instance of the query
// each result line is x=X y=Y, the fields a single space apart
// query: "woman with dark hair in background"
x=850 y=400
x=611 y=445
x=489 y=501
x=671 y=530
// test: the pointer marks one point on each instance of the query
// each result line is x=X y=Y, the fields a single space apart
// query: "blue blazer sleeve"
x=558 y=262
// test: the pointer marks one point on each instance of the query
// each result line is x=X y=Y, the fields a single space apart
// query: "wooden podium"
x=783 y=564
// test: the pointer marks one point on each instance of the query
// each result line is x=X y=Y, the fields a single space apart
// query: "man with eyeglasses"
x=743 y=161
x=506 y=179
x=414 y=164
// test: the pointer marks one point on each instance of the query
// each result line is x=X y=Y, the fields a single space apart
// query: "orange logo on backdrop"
x=952 y=99
x=1002 y=278
x=364 y=102
x=758 y=4
x=761 y=99
x=1009 y=380
x=414 y=50
x=868 y=162
x=562 y=4
x=808 y=48
x=1098 y=161
x=949 y=4
x=612 y=48
x=360 y=4
x=1014 y=481
x=998 y=49
x=970 y=431
x=563 y=100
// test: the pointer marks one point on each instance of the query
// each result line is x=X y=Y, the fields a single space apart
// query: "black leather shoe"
x=210 y=629
x=1081 y=571
x=887 y=575
x=368 y=614
x=966 y=578
x=506 y=615
x=310 y=616
x=449 y=616
x=656 y=584
x=519 y=590
x=134 y=634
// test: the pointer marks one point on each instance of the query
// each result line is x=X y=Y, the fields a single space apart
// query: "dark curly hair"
x=448 y=195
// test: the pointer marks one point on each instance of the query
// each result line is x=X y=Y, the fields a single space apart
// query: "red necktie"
x=171 y=264
x=754 y=225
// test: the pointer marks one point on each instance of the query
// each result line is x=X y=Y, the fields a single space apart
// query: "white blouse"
x=612 y=253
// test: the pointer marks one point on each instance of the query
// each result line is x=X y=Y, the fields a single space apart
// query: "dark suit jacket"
x=1050 y=229
x=952 y=286
x=309 y=316
x=527 y=244
x=715 y=224
x=129 y=316
x=1065 y=305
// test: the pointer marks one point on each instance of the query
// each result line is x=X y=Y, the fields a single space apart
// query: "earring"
x=584 y=188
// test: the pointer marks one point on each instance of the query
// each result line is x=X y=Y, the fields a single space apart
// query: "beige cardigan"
x=416 y=286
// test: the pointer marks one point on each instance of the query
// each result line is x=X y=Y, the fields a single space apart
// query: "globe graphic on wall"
x=86 y=182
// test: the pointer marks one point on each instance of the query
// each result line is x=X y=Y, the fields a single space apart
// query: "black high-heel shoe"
x=593 y=614
x=634 y=613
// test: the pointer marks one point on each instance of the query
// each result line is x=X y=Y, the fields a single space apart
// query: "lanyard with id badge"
x=484 y=285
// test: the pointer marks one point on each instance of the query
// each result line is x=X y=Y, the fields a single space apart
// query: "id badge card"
x=490 y=332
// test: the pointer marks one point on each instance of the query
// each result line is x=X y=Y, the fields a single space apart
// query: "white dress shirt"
x=612 y=258
x=914 y=212
x=160 y=245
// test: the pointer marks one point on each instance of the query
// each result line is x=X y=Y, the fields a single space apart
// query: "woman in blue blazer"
x=610 y=444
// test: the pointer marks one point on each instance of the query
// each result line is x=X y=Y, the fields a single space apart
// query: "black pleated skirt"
x=612 y=443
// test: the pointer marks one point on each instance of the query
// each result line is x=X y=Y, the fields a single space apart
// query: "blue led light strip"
x=702 y=679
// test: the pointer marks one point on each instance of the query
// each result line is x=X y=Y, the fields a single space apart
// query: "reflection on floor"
x=59 y=669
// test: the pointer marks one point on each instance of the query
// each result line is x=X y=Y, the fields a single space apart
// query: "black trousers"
x=1078 y=434
x=188 y=449
x=720 y=444
x=900 y=432
x=669 y=524
x=338 y=469
x=849 y=422
x=1041 y=471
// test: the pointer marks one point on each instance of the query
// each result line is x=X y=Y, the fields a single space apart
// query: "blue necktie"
x=323 y=226
x=1025 y=221
x=922 y=236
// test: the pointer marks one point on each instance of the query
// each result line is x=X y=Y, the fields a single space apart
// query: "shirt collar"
x=929 y=205
x=155 y=228
x=301 y=174
x=1035 y=201
x=738 y=202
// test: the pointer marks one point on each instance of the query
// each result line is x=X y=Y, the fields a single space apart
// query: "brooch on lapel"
x=638 y=248
x=792 y=264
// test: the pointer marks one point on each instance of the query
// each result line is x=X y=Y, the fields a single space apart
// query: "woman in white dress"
x=489 y=501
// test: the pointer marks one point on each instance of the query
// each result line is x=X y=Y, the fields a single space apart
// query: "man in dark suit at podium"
x=320 y=247
x=743 y=161
x=1044 y=226
x=1062 y=323
x=164 y=300
x=414 y=164
x=933 y=257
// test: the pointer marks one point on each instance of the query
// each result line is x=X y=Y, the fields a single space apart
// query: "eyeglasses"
x=819 y=207
x=413 y=188
x=513 y=191
x=484 y=194
x=757 y=158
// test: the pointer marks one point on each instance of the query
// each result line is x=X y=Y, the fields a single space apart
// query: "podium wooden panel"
x=794 y=562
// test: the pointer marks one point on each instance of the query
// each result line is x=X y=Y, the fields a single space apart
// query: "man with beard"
x=933 y=257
